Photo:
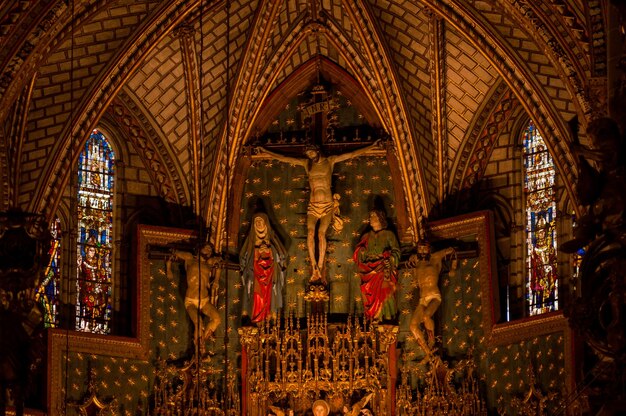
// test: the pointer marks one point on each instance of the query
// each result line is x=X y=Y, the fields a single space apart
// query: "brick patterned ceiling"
x=540 y=52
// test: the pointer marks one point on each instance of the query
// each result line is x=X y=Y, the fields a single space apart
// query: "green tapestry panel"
x=130 y=382
x=281 y=190
x=505 y=371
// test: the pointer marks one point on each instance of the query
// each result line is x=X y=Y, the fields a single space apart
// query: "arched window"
x=542 y=282
x=48 y=293
x=95 y=235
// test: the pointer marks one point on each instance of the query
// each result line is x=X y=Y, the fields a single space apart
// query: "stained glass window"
x=48 y=293
x=95 y=225
x=541 y=240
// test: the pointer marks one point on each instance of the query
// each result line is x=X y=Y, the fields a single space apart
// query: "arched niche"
x=320 y=104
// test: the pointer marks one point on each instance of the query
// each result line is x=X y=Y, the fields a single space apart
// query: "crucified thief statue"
x=201 y=295
x=322 y=203
x=427 y=267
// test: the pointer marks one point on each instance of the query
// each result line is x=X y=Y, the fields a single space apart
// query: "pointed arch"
x=134 y=122
x=479 y=145
x=253 y=86
x=541 y=282
x=97 y=98
x=521 y=81
x=306 y=74
x=95 y=219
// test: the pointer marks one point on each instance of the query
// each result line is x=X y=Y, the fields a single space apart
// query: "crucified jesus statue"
x=322 y=203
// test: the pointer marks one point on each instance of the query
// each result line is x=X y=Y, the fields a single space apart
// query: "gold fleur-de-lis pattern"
x=506 y=371
x=503 y=369
x=131 y=381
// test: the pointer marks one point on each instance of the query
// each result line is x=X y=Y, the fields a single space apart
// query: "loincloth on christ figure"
x=194 y=302
x=320 y=209
x=425 y=300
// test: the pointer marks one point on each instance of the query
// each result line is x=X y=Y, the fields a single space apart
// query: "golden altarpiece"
x=321 y=345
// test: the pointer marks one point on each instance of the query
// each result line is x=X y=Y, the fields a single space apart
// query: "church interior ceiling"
x=431 y=72
x=192 y=92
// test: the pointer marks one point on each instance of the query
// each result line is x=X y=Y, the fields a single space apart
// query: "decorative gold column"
x=247 y=338
x=185 y=35
x=437 y=93
x=388 y=335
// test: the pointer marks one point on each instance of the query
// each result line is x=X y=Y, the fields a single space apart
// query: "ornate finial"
x=248 y=336
x=184 y=31
x=92 y=405
x=388 y=335
x=317 y=293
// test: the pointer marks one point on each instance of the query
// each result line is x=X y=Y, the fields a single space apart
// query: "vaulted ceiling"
x=185 y=81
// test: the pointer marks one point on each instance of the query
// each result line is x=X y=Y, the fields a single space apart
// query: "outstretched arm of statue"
x=436 y=259
x=261 y=151
x=356 y=153
x=182 y=255
x=438 y=256
x=168 y=267
x=355 y=410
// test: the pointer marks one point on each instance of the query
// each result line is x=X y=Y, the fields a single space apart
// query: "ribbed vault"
x=82 y=57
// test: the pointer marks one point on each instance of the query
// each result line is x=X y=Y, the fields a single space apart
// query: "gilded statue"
x=427 y=267
x=358 y=408
x=323 y=206
x=202 y=291
x=320 y=408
